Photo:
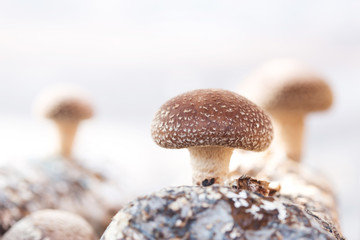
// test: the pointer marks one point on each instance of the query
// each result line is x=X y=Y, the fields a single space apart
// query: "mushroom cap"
x=217 y=212
x=211 y=117
x=51 y=224
x=287 y=85
x=64 y=103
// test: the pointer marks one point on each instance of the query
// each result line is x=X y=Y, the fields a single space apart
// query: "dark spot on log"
x=207 y=182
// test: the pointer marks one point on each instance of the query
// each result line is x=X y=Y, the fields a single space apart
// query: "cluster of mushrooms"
x=273 y=197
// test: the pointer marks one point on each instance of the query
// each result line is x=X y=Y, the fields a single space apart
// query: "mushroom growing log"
x=56 y=184
x=217 y=212
x=303 y=185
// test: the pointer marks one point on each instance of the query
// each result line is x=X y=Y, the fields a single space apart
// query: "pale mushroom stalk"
x=66 y=131
x=289 y=133
x=210 y=161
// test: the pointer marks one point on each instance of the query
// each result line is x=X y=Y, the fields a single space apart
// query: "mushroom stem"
x=210 y=164
x=67 y=131
x=289 y=131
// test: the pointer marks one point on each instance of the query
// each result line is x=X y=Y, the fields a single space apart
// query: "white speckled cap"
x=286 y=84
x=211 y=117
x=64 y=103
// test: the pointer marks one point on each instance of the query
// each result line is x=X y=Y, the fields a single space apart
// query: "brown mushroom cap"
x=289 y=85
x=211 y=117
x=64 y=103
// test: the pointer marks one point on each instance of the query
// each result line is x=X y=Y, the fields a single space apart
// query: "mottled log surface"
x=55 y=184
x=215 y=212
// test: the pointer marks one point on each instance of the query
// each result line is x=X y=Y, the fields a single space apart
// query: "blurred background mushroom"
x=132 y=56
x=61 y=181
x=52 y=225
x=288 y=90
x=66 y=107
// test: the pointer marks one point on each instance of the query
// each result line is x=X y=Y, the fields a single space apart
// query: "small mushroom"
x=51 y=224
x=288 y=90
x=211 y=123
x=67 y=107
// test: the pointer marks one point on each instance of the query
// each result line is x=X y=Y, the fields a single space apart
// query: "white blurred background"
x=131 y=56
